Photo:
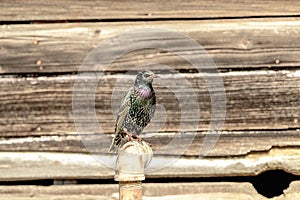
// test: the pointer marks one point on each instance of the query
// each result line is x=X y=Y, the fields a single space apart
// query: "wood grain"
x=240 y=143
x=35 y=165
x=16 y=10
x=214 y=191
x=255 y=101
x=76 y=192
x=255 y=45
x=152 y=191
x=232 y=44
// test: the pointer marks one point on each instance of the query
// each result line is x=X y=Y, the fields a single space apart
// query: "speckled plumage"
x=136 y=110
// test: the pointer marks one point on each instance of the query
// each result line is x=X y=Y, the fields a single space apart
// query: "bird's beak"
x=152 y=76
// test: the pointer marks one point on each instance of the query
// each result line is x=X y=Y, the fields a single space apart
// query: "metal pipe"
x=133 y=158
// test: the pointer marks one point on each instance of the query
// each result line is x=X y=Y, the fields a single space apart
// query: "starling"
x=136 y=110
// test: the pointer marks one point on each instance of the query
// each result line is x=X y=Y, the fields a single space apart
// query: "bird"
x=137 y=109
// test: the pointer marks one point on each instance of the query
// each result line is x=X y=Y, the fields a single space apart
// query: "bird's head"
x=144 y=77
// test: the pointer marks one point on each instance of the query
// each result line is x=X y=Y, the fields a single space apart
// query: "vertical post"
x=132 y=159
x=130 y=190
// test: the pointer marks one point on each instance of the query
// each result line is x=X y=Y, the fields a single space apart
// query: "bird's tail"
x=115 y=144
x=113 y=148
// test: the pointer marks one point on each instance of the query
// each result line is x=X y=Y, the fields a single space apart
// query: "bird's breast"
x=143 y=92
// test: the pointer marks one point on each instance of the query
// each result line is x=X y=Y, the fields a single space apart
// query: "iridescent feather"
x=136 y=110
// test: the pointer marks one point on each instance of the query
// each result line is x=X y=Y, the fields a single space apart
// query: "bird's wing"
x=124 y=109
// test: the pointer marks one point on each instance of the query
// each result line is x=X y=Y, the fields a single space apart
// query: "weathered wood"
x=15 y=10
x=104 y=189
x=31 y=166
x=255 y=100
x=76 y=192
x=202 y=191
x=38 y=135
x=55 y=48
x=213 y=191
x=152 y=191
x=240 y=142
x=46 y=197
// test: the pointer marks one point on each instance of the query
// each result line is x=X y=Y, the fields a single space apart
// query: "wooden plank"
x=212 y=191
x=151 y=191
x=76 y=192
x=202 y=190
x=240 y=142
x=31 y=166
x=63 y=190
x=57 y=48
x=255 y=100
x=16 y=10
x=46 y=197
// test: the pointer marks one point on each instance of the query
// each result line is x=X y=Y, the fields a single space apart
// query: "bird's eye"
x=146 y=75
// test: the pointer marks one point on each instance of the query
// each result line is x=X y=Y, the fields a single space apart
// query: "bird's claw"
x=136 y=138
x=128 y=134
x=140 y=140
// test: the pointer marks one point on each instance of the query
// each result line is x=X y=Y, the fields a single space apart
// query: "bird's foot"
x=140 y=140
x=128 y=134
x=137 y=138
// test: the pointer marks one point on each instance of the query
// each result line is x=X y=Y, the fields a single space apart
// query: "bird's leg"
x=128 y=134
x=138 y=138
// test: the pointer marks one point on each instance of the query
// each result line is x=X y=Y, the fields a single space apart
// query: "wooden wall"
x=255 y=45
